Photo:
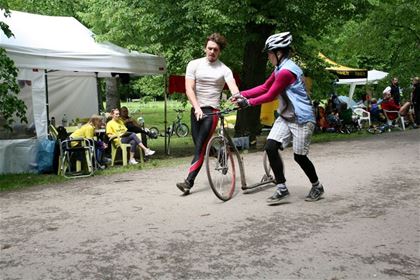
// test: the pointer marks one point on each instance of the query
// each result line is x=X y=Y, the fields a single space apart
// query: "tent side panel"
x=18 y=156
x=75 y=96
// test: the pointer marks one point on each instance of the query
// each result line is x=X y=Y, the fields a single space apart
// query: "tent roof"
x=373 y=77
x=63 y=43
x=343 y=72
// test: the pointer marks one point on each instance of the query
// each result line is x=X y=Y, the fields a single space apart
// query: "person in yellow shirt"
x=116 y=130
x=88 y=131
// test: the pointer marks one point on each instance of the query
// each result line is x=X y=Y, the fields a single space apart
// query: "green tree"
x=387 y=39
x=177 y=30
x=48 y=7
x=10 y=104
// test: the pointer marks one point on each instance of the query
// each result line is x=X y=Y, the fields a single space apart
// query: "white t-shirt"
x=210 y=78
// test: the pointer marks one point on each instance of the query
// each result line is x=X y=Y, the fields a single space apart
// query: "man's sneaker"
x=184 y=187
x=315 y=193
x=278 y=196
x=149 y=152
x=132 y=161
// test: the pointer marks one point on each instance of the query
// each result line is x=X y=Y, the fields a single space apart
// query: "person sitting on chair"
x=375 y=111
x=389 y=104
x=88 y=131
x=134 y=126
x=115 y=128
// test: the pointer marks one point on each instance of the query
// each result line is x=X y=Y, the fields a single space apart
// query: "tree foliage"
x=10 y=105
x=387 y=39
x=177 y=30
x=48 y=7
x=381 y=34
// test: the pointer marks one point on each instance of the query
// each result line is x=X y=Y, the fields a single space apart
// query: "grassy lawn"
x=181 y=148
x=153 y=112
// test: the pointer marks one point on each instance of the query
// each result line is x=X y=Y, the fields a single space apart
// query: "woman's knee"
x=300 y=159
x=271 y=145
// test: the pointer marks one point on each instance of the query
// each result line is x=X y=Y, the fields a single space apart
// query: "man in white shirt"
x=204 y=81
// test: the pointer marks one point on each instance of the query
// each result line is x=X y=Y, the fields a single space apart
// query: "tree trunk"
x=253 y=74
x=112 y=96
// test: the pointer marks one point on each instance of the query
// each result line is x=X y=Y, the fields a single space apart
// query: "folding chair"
x=53 y=132
x=397 y=122
x=75 y=151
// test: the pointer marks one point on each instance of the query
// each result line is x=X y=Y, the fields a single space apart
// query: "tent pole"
x=46 y=99
x=165 y=121
x=98 y=94
x=351 y=92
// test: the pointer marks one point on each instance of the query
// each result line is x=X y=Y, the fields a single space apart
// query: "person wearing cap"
x=296 y=121
x=205 y=78
x=389 y=104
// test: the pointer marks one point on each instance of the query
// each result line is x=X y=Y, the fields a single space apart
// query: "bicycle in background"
x=220 y=163
x=177 y=127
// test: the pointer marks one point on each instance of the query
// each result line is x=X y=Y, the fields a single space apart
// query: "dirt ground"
x=138 y=226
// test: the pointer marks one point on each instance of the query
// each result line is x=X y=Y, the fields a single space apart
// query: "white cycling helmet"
x=277 y=41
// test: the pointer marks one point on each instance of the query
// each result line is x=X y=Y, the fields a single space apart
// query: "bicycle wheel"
x=220 y=167
x=182 y=130
x=266 y=164
x=374 y=130
x=267 y=168
x=154 y=131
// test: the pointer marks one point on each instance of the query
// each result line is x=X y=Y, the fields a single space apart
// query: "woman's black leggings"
x=272 y=148
x=201 y=131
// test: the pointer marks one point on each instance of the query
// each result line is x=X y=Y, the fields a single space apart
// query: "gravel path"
x=137 y=225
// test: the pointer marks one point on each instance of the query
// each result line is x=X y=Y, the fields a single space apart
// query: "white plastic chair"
x=362 y=115
x=397 y=123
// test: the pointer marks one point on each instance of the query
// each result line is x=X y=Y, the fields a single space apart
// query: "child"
x=374 y=110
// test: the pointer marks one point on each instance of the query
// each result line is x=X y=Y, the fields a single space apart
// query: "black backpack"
x=62 y=133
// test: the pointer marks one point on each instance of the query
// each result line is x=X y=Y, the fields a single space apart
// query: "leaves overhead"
x=380 y=34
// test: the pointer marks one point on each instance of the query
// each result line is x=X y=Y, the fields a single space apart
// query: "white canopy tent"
x=59 y=61
x=373 y=77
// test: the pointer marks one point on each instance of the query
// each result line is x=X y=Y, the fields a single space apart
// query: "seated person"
x=88 y=131
x=333 y=119
x=389 y=104
x=321 y=119
x=133 y=125
x=115 y=128
x=374 y=111
x=346 y=114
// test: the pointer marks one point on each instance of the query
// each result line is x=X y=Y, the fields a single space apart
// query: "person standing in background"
x=395 y=90
x=415 y=100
